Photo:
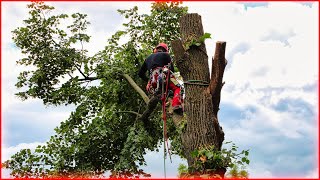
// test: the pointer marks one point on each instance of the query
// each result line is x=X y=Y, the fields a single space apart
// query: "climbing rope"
x=164 y=117
x=197 y=82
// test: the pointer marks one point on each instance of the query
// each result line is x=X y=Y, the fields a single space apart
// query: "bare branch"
x=78 y=68
x=69 y=74
x=89 y=79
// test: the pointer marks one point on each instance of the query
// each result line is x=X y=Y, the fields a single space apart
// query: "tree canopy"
x=105 y=132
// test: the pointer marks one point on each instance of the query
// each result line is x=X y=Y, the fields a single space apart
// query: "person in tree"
x=157 y=63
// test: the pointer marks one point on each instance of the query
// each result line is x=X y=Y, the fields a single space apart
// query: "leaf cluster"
x=237 y=173
x=191 y=41
x=209 y=158
x=50 y=56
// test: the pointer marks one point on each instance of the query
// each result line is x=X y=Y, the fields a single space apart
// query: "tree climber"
x=158 y=64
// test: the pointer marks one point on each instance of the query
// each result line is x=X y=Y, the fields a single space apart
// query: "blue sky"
x=254 y=4
x=269 y=102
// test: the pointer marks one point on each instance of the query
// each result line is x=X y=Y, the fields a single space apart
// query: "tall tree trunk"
x=202 y=98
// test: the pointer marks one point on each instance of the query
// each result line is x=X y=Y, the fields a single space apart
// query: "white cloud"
x=12 y=16
x=104 y=19
x=313 y=173
x=260 y=170
x=7 y=152
x=231 y=23
x=53 y=116
x=277 y=58
x=31 y=116
x=279 y=36
x=270 y=133
x=284 y=66
x=155 y=164
x=10 y=71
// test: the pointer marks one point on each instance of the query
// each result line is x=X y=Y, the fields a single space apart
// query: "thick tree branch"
x=151 y=103
x=150 y=108
x=137 y=88
x=89 y=79
x=131 y=82
x=218 y=65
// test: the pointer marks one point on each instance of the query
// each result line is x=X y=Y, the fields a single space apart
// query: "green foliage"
x=209 y=157
x=96 y=137
x=49 y=52
x=236 y=173
x=191 y=41
x=182 y=169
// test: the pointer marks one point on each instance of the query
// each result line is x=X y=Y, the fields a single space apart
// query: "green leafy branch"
x=192 y=41
x=208 y=158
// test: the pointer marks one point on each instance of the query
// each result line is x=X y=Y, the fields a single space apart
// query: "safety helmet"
x=165 y=46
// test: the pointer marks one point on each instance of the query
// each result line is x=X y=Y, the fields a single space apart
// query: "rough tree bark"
x=201 y=103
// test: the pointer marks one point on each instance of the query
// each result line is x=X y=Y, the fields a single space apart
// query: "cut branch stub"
x=150 y=108
x=218 y=65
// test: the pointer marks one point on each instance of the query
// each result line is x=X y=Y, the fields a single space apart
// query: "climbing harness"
x=159 y=75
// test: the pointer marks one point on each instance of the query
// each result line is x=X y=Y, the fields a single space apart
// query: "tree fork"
x=201 y=102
